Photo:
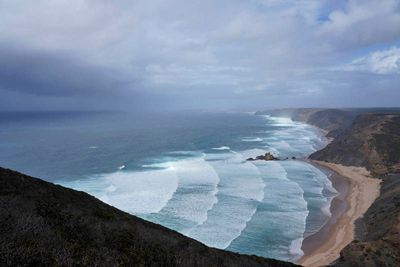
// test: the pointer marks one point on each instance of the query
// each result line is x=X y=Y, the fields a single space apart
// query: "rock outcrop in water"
x=42 y=224
x=267 y=156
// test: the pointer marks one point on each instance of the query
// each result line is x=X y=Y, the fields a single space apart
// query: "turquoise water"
x=186 y=171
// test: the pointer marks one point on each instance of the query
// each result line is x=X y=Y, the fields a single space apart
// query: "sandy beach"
x=356 y=194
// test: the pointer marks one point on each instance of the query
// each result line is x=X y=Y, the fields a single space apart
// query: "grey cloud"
x=227 y=53
x=53 y=74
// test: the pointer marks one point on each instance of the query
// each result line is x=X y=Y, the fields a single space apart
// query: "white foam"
x=121 y=167
x=222 y=148
x=251 y=139
x=281 y=121
x=326 y=209
x=185 y=153
x=252 y=153
x=133 y=192
x=286 y=202
x=316 y=184
x=295 y=249
x=240 y=188
x=282 y=144
x=196 y=190
x=93 y=147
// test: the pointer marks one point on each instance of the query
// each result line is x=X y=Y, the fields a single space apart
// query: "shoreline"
x=357 y=191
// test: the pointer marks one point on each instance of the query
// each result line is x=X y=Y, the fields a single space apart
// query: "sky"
x=208 y=54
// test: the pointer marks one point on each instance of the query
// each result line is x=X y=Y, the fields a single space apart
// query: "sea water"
x=187 y=171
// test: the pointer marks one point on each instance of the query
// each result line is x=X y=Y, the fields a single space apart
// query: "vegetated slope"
x=335 y=121
x=42 y=224
x=372 y=141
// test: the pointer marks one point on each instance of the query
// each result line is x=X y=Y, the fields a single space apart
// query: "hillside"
x=42 y=224
x=373 y=141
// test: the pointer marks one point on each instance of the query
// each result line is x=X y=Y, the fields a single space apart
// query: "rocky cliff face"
x=335 y=121
x=42 y=224
x=371 y=140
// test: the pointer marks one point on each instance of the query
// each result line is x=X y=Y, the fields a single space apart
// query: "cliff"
x=42 y=224
x=373 y=141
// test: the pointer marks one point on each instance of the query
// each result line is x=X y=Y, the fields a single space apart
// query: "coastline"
x=357 y=191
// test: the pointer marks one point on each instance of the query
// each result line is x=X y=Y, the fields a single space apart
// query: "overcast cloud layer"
x=208 y=54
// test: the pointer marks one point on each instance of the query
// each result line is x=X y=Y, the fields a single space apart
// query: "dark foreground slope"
x=42 y=224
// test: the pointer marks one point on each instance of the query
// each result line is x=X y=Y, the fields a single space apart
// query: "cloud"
x=50 y=74
x=363 y=22
x=221 y=53
x=380 y=62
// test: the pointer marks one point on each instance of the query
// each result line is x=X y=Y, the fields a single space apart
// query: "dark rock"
x=267 y=156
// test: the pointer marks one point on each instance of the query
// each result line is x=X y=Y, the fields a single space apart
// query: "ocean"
x=187 y=171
